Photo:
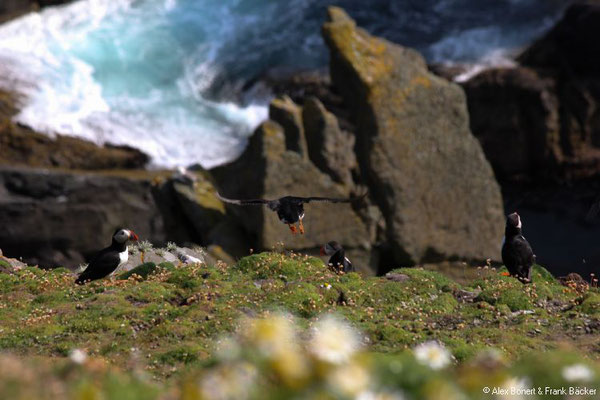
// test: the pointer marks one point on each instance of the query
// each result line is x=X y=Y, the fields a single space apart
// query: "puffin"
x=517 y=254
x=289 y=209
x=109 y=259
x=338 y=261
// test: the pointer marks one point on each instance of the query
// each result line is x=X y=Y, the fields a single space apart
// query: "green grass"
x=170 y=316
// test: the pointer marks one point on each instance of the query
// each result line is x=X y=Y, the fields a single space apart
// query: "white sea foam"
x=49 y=58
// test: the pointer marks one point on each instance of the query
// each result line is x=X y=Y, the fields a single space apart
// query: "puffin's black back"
x=338 y=259
x=103 y=263
x=517 y=254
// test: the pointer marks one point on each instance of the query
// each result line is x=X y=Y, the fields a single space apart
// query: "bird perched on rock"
x=517 y=254
x=338 y=261
x=108 y=259
x=290 y=209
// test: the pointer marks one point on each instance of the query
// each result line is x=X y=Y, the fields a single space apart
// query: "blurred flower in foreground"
x=349 y=379
x=515 y=389
x=229 y=382
x=276 y=339
x=369 y=395
x=433 y=354
x=227 y=349
x=273 y=335
x=577 y=373
x=78 y=356
x=333 y=340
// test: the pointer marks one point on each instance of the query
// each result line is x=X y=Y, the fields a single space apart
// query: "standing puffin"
x=108 y=259
x=517 y=254
x=338 y=261
x=290 y=209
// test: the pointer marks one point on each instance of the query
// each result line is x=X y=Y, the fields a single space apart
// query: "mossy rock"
x=506 y=290
x=143 y=270
x=274 y=265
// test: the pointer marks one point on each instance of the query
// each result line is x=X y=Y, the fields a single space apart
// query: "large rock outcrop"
x=425 y=170
x=330 y=148
x=546 y=112
x=267 y=169
x=56 y=218
x=514 y=114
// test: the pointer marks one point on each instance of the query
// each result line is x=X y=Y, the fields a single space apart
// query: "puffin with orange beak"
x=338 y=262
x=109 y=259
x=289 y=209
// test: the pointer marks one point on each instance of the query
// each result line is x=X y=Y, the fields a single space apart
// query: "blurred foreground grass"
x=263 y=328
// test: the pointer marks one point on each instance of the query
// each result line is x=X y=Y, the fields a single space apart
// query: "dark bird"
x=338 y=260
x=290 y=209
x=108 y=259
x=517 y=254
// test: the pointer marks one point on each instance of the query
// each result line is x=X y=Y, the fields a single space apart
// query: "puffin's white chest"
x=123 y=257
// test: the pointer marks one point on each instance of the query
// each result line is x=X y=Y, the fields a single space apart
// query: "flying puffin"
x=517 y=254
x=338 y=260
x=290 y=209
x=108 y=259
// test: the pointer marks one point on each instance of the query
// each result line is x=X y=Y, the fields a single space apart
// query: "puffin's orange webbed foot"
x=505 y=273
x=292 y=228
x=301 y=228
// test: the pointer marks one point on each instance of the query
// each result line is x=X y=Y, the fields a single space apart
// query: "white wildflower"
x=433 y=354
x=227 y=349
x=78 y=356
x=577 y=373
x=272 y=336
x=516 y=389
x=349 y=379
x=229 y=382
x=385 y=395
x=333 y=340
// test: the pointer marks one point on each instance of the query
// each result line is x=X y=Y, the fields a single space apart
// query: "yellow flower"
x=333 y=340
x=272 y=335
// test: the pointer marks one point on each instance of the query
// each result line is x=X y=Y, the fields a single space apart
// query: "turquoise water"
x=165 y=75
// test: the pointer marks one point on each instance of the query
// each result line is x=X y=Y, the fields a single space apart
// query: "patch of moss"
x=591 y=304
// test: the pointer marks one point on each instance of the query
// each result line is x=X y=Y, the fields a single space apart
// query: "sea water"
x=152 y=74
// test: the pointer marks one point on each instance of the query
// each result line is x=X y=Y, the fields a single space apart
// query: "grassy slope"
x=166 y=322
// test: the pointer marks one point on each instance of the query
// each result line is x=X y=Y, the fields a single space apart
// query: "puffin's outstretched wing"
x=272 y=204
x=247 y=202
x=332 y=199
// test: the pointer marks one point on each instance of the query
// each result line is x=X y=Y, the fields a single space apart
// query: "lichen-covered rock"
x=329 y=148
x=199 y=204
x=425 y=170
x=289 y=115
x=267 y=170
x=514 y=114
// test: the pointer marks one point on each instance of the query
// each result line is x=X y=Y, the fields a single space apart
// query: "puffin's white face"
x=122 y=235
